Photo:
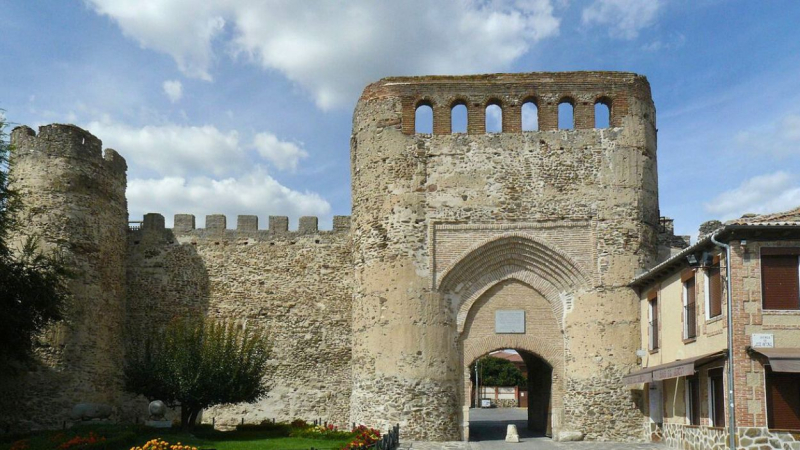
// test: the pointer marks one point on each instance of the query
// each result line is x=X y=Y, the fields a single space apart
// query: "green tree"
x=497 y=372
x=195 y=363
x=33 y=292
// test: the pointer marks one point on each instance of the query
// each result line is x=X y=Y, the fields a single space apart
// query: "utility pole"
x=477 y=386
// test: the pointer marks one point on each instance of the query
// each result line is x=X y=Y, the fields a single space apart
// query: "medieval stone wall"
x=295 y=284
x=73 y=196
x=572 y=213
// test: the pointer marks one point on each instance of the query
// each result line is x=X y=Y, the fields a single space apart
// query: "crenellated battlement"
x=246 y=225
x=544 y=90
x=67 y=141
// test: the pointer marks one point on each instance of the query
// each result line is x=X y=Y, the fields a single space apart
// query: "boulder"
x=90 y=411
x=570 y=436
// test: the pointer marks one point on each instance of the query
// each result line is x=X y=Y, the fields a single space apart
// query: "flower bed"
x=364 y=437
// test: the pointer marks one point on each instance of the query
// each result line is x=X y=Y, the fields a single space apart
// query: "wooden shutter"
x=654 y=323
x=783 y=400
x=714 y=291
x=690 y=311
x=779 y=279
x=717 y=397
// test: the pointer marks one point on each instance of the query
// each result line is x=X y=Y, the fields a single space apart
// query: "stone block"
x=153 y=222
x=247 y=223
x=278 y=224
x=570 y=436
x=184 y=222
x=341 y=223
x=216 y=222
x=308 y=225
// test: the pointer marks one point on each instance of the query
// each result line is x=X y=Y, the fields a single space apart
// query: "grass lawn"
x=120 y=437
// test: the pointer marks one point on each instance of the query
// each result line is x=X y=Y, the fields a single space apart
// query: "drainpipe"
x=731 y=397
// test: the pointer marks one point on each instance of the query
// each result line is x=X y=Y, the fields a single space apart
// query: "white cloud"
x=624 y=18
x=775 y=192
x=173 y=89
x=255 y=193
x=780 y=139
x=184 y=29
x=673 y=42
x=174 y=149
x=283 y=155
x=333 y=49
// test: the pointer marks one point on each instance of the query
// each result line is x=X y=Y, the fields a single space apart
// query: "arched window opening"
x=423 y=119
x=458 y=118
x=530 y=116
x=602 y=113
x=566 y=115
x=494 y=118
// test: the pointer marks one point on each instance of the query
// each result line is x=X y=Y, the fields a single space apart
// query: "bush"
x=197 y=363
x=364 y=437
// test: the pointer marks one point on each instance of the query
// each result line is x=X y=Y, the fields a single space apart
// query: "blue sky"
x=244 y=107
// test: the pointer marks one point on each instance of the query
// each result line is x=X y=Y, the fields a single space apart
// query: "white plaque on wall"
x=507 y=321
x=762 y=340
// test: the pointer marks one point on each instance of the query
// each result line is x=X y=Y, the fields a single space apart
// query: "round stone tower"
x=466 y=243
x=73 y=198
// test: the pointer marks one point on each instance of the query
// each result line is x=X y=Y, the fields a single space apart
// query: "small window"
x=566 y=115
x=780 y=277
x=716 y=397
x=530 y=116
x=494 y=118
x=689 y=306
x=423 y=119
x=653 y=320
x=458 y=118
x=602 y=113
x=713 y=290
x=783 y=400
x=693 y=400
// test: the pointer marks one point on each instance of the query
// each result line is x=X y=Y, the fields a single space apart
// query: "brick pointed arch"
x=519 y=256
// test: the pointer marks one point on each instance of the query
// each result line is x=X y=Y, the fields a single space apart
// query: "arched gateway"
x=468 y=243
x=519 y=276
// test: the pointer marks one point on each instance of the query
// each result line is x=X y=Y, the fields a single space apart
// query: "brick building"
x=686 y=353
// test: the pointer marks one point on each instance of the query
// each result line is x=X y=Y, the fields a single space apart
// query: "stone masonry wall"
x=504 y=204
x=296 y=284
x=692 y=437
x=73 y=196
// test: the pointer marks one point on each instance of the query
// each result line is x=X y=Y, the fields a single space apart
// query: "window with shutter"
x=689 y=308
x=717 y=397
x=653 y=326
x=780 y=277
x=783 y=400
x=714 y=289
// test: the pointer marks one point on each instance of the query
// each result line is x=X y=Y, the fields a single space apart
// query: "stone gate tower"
x=465 y=243
x=73 y=198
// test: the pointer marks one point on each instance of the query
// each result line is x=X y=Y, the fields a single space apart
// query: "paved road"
x=488 y=432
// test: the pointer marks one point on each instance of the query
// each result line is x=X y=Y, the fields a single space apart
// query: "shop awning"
x=675 y=369
x=639 y=376
x=782 y=359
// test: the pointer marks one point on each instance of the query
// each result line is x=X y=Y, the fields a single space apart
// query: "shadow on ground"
x=491 y=424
